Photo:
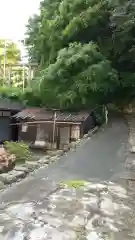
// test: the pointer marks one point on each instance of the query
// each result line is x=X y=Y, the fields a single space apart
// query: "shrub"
x=19 y=149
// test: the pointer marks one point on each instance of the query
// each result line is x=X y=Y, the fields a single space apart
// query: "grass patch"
x=74 y=183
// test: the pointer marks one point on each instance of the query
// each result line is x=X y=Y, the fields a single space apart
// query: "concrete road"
x=100 y=158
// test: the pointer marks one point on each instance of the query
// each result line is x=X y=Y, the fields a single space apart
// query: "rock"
x=92 y=131
x=85 y=136
x=93 y=236
x=99 y=222
x=48 y=232
x=112 y=227
x=72 y=145
x=89 y=225
x=107 y=206
x=96 y=187
x=38 y=234
x=18 y=235
x=52 y=221
x=94 y=222
x=22 y=169
x=54 y=159
x=64 y=234
x=130 y=165
x=78 y=142
x=78 y=221
x=66 y=148
x=60 y=152
x=31 y=165
x=1 y=229
x=91 y=204
x=51 y=153
x=118 y=191
x=132 y=150
x=43 y=161
x=11 y=177
x=128 y=175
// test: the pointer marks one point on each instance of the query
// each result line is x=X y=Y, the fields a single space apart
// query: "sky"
x=14 y=15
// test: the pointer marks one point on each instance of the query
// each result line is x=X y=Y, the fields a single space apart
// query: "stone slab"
x=31 y=165
x=11 y=176
x=128 y=176
x=132 y=150
x=94 y=130
x=54 y=159
x=93 y=236
x=43 y=161
x=59 y=152
x=22 y=169
x=51 y=153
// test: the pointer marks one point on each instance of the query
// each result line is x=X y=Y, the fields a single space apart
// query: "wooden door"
x=75 y=132
x=64 y=136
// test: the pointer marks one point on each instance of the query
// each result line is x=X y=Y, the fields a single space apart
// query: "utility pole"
x=22 y=42
x=9 y=75
x=23 y=76
x=5 y=52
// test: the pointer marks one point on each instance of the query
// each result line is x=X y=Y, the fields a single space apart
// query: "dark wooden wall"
x=87 y=125
x=29 y=136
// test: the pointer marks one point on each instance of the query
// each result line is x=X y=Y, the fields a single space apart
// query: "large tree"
x=62 y=22
x=110 y=24
x=123 y=54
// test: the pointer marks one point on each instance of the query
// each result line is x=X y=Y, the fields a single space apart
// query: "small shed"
x=52 y=128
x=7 y=109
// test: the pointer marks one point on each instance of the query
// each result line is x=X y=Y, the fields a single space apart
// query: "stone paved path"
x=92 y=211
x=79 y=197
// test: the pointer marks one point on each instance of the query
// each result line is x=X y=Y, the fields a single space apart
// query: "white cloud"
x=14 y=15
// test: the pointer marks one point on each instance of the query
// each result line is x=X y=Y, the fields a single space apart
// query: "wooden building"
x=52 y=128
x=7 y=110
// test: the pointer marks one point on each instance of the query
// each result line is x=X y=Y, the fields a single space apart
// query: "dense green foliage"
x=11 y=73
x=80 y=71
x=86 y=51
x=13 y=53
x=28 y=97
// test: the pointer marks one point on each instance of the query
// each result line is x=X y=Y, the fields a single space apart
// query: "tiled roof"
x=10 y=105
x=42 y=114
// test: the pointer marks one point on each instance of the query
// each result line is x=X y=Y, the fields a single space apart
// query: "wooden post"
x=58 y=136
x=106 y=114
x=70 y=133
x=54 y=127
